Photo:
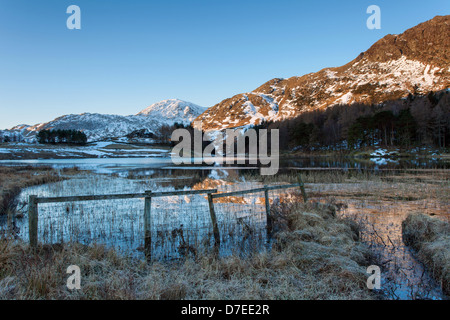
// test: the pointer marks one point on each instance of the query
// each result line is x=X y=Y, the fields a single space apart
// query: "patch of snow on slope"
x=344 y=98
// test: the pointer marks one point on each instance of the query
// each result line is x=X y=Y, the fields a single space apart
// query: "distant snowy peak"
x=106 y=126
x=173 y=110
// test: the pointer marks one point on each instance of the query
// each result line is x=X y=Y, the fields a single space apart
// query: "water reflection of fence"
x=211 y=194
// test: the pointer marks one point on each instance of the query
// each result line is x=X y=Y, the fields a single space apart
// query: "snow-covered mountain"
x=174 y=110
x=415 y=62
x=106 y=126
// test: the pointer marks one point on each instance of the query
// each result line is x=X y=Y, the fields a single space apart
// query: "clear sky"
x=130 y=54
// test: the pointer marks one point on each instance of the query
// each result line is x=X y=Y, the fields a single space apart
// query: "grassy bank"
x=14 y=179
x=430 y=238
x=315 y=255
x=398 y=176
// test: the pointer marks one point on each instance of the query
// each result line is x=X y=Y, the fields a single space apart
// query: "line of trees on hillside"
x=62 y=136
x=164 y=134
x=10 y=138
x=412 y=121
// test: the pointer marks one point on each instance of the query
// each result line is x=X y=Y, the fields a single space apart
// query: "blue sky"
x=130 y=54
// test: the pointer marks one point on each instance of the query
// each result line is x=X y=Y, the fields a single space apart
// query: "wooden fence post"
x=33 y=221
x=148 y=225
x=268 y=215
x=212 y=212
x=302 y=188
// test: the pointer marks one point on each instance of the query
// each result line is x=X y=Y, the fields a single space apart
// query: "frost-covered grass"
x=430 y=238
x=182 y=223
x=314 y=256
x=380 y=203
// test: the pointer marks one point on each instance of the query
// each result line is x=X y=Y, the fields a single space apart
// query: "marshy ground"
x=327 y=265
x=379 y=203
x=318 y=252
x=23 y=151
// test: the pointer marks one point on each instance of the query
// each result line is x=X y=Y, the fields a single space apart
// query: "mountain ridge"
x=416 y=61
x=106 y=126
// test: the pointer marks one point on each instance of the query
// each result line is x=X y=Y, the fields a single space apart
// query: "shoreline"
x=114 y=150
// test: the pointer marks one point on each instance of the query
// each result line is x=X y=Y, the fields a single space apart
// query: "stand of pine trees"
x=62 y=136
x=413 y=121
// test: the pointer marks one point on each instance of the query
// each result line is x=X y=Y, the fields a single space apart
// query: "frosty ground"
x=317 y=253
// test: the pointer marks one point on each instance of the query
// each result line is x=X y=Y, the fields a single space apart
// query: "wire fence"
x=112 y=222
x=161 y=225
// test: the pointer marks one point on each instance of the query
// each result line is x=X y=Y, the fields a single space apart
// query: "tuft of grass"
x=430 y=238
